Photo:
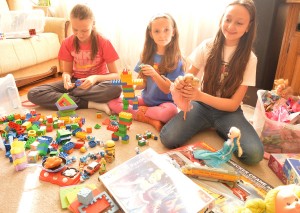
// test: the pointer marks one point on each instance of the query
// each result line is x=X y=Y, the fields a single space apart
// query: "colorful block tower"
x=125 y=118
x=18 y=154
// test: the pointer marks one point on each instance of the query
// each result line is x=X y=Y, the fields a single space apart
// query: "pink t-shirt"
x=83 y=66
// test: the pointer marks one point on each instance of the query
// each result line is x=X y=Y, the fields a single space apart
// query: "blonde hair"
x=237 y=135
x=258 y=205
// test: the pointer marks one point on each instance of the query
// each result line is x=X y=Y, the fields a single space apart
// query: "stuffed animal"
x=282 y=199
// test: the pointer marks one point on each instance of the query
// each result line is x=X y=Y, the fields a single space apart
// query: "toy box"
x=277 y=137
x=291 y=170
x=9 y=96
x=276 y=162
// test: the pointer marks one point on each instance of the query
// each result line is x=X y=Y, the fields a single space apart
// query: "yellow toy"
x=282 y=199
x=102 y=166
x=109 y=148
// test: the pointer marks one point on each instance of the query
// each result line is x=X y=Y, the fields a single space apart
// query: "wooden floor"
x=24 y=90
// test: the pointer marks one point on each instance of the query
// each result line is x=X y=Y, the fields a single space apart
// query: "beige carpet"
x=22 y=191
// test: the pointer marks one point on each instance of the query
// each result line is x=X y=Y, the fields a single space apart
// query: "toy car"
x=92 y=168
x=241 y=194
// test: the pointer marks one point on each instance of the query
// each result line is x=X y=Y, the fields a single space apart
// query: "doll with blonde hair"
x=282 y=88
x=282 y=199
x=216 y=159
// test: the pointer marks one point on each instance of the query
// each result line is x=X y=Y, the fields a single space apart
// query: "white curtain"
x=124 y=22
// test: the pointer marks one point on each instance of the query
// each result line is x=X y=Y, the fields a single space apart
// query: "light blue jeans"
x=178 y=131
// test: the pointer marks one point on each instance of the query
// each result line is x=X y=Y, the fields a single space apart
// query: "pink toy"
x=296 y=106
x=182 y=104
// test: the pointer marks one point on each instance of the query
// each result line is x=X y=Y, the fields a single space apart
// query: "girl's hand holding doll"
x=184 y=90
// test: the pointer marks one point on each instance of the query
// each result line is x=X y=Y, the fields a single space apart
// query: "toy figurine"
x=215 y=159
x=282 y=88
x=184 y=105
x=282 y=199
x=137 y=150
x=102 y=166
x=109 y=149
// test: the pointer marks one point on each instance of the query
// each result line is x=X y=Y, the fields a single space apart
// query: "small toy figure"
x=215 y=159
x=282 y=88
x=102 y=166
x=282 y=199
x=109 y=149
x=137 y=150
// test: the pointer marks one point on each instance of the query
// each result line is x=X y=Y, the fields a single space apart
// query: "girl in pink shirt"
x=87 y=59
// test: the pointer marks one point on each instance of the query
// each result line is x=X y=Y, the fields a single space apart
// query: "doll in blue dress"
x=216 y=159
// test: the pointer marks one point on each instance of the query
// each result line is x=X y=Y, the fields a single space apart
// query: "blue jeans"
x=178 y=131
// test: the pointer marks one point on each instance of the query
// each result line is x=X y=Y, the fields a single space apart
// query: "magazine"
x=227 y=193
x=148 y=183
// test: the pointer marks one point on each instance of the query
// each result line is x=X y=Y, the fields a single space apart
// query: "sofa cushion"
x=16 y=54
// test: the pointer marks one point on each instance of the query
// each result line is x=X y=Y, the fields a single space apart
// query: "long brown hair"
x=238 y=62
x=83 y=12
x=172 y=55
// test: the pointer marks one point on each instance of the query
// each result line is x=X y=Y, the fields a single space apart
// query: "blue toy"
x=216 y=159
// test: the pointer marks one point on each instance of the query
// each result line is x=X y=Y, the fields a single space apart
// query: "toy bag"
x=9 y=96
x=277 y=137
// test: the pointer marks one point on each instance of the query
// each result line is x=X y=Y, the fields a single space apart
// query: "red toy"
x=65 y=177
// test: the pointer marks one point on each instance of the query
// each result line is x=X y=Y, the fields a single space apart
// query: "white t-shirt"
x=199 y=56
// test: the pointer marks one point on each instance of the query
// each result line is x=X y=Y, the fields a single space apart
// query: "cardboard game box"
x=228 y=195
x=276 y=162
x=148 y=183
x=291 y=170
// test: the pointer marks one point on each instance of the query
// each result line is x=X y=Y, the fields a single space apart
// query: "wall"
x=271 y=16
x=271 y=22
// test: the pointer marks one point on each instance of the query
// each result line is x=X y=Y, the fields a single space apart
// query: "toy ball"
x=83 y=149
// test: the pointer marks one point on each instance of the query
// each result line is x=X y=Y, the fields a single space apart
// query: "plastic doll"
x=282 y=88
x=282 y=199
x=184 y=105
x=215 y=159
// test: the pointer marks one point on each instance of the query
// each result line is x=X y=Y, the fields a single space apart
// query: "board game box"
x=149 y=183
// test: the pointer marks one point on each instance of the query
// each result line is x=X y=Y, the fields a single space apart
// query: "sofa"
x=34 y=58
